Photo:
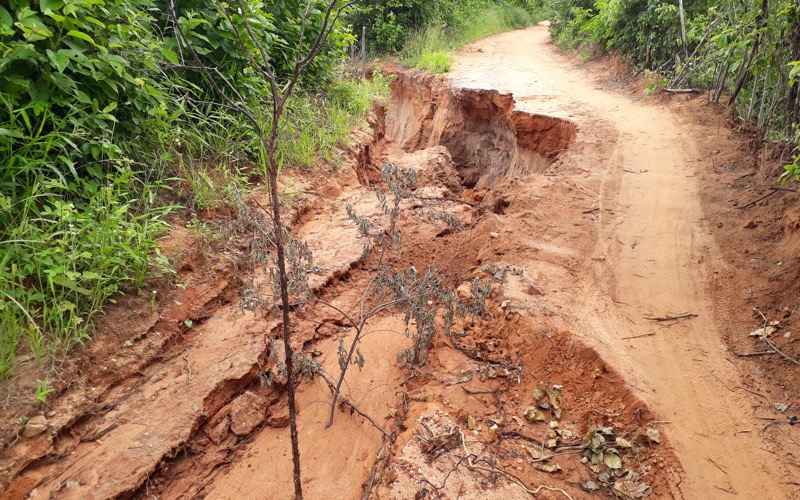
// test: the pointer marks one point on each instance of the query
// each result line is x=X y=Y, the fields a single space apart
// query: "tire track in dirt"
x=655 y=258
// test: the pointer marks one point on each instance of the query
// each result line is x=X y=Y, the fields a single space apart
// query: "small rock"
x=247 y=414
x=127 y=343
x=51 y=414
x=534 y=290
x=719 y=224
x=494 y=235
x=750 y=225
x=787 y=335
x=504 y=304
x=35 y=426
x=280 y=376
x=464 y=290
x=217 y=433
x=278 y=417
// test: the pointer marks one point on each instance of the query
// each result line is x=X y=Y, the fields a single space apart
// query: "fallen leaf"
x=590 y=486
x=533 y=415
x=781 y=406
x=534 y=452
x=624 y=443
x=631 y=489
x=493 y=432
x=546 y=467
x=612 y=461
x=763 y=332
x=565 y=434
x=654 y=436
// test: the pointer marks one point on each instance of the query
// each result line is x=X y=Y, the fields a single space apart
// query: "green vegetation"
x=426 y=33
x=745 y=53
x=107 y=126
x=102 y=117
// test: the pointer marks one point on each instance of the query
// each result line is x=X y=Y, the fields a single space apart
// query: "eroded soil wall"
x=487 y=138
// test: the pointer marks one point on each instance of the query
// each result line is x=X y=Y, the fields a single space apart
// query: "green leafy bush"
x=390 y=22
x=97 y=109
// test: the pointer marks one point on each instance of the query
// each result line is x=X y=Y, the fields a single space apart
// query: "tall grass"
x=69 y=244
x=432 y=47
x=64 y=255
x=317 y=124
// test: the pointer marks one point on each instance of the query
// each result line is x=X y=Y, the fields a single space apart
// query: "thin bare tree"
x=308 y=48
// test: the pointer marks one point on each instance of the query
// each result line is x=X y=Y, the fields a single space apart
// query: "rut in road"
x=653 y=256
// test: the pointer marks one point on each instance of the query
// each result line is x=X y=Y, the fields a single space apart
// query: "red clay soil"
x=594 y=213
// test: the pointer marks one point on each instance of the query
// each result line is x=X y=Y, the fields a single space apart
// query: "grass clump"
x=63 y=255
x=431 y=47
x=436 y=62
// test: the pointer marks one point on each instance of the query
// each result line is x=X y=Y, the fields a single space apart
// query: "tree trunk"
x=793 y=99
x=683 y=31
x=275 y=200
x=761 y=21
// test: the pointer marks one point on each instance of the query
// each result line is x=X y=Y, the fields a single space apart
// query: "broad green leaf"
x=25 y=13
x=20 y=52
x=59 y=60
x=170 y=56
x=82 y=97
x=5 y=18
x=80 y=35
x=71 y=284
x=34 y=29
x=96 y=21
x=55 y=17
x=795 y=69
x=65 y=83
x=52 y=5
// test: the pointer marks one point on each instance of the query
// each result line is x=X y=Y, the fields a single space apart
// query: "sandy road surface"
x=653 y=256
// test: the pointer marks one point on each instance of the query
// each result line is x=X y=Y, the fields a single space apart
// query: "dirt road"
x=653 y=257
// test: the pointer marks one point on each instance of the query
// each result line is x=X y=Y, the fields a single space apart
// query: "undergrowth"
x=105 y=128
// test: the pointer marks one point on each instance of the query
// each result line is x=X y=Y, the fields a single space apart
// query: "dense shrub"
x=97 y=107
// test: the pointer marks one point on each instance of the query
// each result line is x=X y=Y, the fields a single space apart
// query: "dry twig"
x=671 y=318
x=639 y=336
x=753 y=354
x=496 y=470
